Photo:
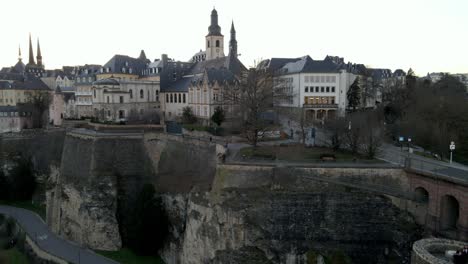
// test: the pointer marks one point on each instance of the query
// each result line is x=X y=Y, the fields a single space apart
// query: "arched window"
x=131 y=94
x=217 y=43
x=180 y=101
x=142 y=95
x=208 y=44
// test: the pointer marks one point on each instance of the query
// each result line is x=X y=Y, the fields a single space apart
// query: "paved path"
x=36 y=229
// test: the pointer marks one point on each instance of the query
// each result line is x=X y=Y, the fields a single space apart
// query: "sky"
x=426 y=35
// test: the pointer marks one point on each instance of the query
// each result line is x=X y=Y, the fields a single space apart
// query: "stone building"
x=317 y=86
x=15 y=118
x=122 y=91
x=83 y=99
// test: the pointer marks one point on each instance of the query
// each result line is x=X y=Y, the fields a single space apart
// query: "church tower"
x=233 y=42
x=214 y=39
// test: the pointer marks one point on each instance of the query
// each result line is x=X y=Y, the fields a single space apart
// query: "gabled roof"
x=120 y=62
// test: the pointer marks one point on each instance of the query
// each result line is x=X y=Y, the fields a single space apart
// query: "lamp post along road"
x=452 y=148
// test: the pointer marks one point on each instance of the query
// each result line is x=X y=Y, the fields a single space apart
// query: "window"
x=316 y=89
x=180 y=98
x=167 y=98
x=121 y=113
x=184 y=98
x=108 y=99
x=94 y=93
x=172 y=99
x=217 y=43
x=148 y=95
x=121 y=99
x=328 y=89
x=131 y=94
x=142 y=94
x=333 y=89
x=208 y=44
x=322 y=89
x=306 y=89
x=108 y=113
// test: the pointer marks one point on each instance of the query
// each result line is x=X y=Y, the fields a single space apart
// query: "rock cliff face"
x=227 y=214
x=282 y=225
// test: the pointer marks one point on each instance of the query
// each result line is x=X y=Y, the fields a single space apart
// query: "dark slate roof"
x=216 y=68
x=399 y=73
x=109 y=81
x=8 y=108
x=118 y=62
x=19 y=67
x=180 y=85
x=275 y=63
x=22 y=82
x=220 y=75
x=68 y=96
x=379 y=74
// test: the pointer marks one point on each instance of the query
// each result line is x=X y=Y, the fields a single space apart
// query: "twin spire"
x=31 y=53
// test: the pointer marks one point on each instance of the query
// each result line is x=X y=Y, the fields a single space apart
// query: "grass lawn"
x=298 y=153
x=37 y=208
x=13 y=256
x=126 y=256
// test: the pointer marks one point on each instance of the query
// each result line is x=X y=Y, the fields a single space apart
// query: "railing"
x=334 y=106
x=438 y=170
x=84 y=93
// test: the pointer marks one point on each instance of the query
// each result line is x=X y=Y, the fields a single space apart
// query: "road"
x=395 y=155
x=36 y=229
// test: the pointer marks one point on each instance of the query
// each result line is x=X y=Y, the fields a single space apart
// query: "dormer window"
x=123 y=70
x=130 y=70
x=126 y=64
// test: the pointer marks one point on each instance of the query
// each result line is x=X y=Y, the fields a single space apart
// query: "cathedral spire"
x=233 y=42
x=19 y=53
x=39 y=56
x=31 y=53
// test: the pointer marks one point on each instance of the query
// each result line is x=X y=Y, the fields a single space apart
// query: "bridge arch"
x=449 y=212
x=421 y=195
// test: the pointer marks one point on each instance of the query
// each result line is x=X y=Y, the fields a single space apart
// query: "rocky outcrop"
x=283 y=226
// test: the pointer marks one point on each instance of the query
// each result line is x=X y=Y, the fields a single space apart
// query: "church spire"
x=31 y=53
x=19 y=53
x=214 y=29
x=233 y=42
x=39 y=56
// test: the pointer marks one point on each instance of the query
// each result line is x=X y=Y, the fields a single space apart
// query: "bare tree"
x=40 y=101
x=254 y=95
x=337 y=129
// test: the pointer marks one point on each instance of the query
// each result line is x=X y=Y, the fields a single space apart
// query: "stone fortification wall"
x=96 y=174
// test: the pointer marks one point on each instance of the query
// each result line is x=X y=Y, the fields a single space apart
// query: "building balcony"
x=321 y=106
x=83 y=103
x=83 y=93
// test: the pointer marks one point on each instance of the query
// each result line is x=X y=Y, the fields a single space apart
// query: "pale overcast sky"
x=427 y=35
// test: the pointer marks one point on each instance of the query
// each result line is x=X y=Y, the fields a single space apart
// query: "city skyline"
x=91 y=33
